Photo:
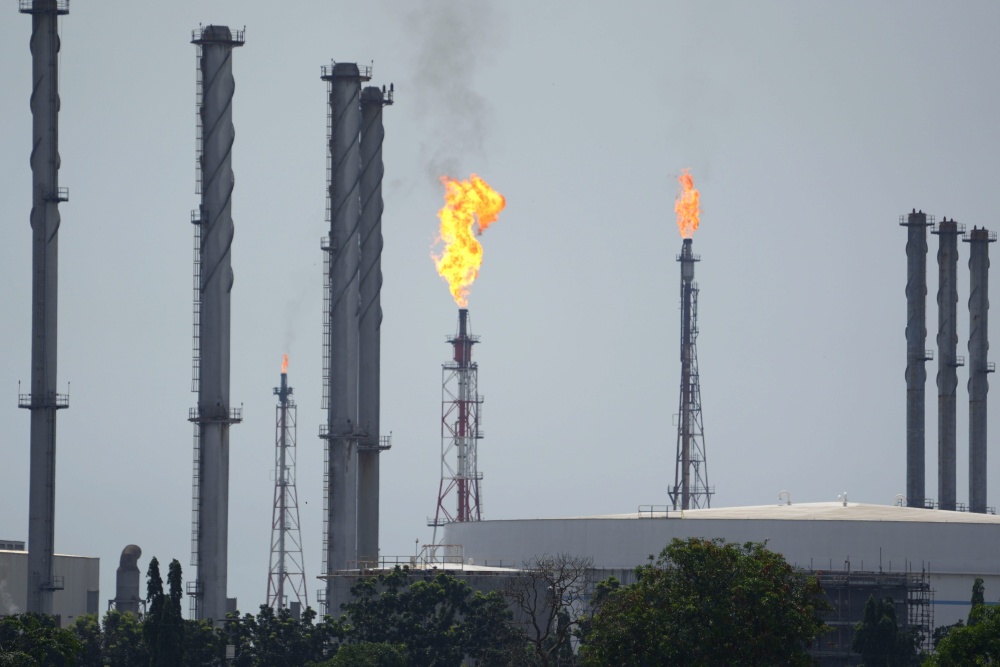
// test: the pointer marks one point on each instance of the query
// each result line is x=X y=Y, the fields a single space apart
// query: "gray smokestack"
x=214 y=415
x=369 y=360
x=948 y=232
x=979 y=345
x=127 y=591
x=43 y=401
x=916 y=355
x=342 y=331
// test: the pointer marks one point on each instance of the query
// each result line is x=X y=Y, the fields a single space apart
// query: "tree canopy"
x=977 y=643
x=34 y=640
x=879 y=640
x=437 y=617
x=706 y=602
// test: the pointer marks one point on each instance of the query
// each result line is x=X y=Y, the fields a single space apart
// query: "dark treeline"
x=701 y=602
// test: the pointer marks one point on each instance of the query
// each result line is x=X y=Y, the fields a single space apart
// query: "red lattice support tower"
x=459 y=496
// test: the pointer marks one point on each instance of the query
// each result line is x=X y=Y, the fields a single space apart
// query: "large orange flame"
x=469 y=205
x=284 y=364
x=686 y=205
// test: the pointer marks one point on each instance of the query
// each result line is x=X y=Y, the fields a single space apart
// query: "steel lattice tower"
x=690 y=489
x=286 y=573
x=460 y=411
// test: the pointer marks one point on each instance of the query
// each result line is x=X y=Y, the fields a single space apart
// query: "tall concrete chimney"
x=214 y=414
x=916 y=355
x=370 y=321
x=341 y=430
x=948 y=232
x=43 y=401
x=979 y=345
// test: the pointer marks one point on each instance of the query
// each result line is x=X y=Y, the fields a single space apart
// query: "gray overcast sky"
x=808 y=127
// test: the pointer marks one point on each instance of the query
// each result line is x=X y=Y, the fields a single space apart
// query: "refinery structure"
x=937 y=547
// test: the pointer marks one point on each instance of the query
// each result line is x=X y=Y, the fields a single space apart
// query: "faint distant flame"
x=686 y=205
x=284 y=364
x=469 y=205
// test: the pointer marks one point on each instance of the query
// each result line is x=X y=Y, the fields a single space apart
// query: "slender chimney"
x=341 y=430
x=979 y=345
x=948 y=232
x=916 y=355
x=214 y=414
x=370 y=321
x=43 y=401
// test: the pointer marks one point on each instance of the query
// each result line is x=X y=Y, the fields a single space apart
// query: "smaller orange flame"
x=687 y=205
x=470 y=207
x=284 y=364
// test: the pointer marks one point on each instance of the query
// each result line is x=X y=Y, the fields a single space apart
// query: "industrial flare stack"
x=948 y=232
x=286 y=573
x=690 y=489
x=352 y=320
x=213 y=281
x=458 y=492
x=44 y=401
x=470 y=207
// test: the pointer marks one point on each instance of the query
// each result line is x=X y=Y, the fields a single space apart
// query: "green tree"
x=88 y=630
x=155 y=601
x=168 y=648
x=706 y=602
x=203 y=644
x=978 y=601
x=34 y=640
x=275 y=639
x=124 y=643
x=368 y=655
x=879 y=639
x=977 y=644
x=437 y=617
x=279 y=639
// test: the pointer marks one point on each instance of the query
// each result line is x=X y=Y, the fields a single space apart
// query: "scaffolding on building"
x=848 y=592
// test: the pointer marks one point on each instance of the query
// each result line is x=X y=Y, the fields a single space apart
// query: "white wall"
x=954 y=553
x=81 y=576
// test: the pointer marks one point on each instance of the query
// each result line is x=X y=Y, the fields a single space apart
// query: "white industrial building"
x=78 y=575
x=953 y=548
